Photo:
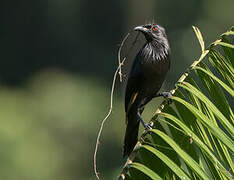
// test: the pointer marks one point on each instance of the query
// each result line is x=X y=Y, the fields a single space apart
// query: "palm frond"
x=192 y=138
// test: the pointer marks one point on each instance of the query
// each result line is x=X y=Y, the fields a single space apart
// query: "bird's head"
x=152 y=32
x=157 y=44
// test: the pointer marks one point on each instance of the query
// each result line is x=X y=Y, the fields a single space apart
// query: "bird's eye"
x=155 y=29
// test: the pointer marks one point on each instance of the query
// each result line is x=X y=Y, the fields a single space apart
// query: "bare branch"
x=119 y=57
x=118 y=70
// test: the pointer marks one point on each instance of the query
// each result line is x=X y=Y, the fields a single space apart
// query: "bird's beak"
x=147 y=32
x=141 y=28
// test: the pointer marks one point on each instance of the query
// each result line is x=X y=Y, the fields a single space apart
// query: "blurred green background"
x=57 y=60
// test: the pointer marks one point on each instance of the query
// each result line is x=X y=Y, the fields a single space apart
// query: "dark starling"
x=146 y=77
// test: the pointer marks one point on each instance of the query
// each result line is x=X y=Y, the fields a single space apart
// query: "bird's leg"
x=146 y=125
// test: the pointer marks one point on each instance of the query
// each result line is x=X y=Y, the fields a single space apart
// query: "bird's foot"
x=147 y=126
x=166 y=95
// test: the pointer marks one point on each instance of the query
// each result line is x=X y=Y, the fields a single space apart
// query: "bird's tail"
x=131 y=134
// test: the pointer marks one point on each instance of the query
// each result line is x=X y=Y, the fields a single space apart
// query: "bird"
x=145 y=79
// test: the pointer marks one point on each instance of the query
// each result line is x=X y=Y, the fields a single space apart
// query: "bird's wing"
x=131 y=93
x=132 y=87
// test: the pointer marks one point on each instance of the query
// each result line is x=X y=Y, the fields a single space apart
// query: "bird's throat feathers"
x=157 y=49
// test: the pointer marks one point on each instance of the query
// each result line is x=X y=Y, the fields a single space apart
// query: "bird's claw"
x=169 y=101
x=167 y=95
x=148 y=126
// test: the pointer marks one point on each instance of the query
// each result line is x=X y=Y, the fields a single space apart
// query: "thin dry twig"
x=118 y=70
x=120 y=49
x=104 y=120
x=119 y=57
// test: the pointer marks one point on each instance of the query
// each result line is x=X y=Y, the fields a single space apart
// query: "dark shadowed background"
x=57 y=60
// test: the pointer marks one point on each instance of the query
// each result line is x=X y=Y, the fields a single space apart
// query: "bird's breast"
x=154 y=60
x=155 y=68
x=153 y=74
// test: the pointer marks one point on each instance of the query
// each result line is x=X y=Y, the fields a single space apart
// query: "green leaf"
x=218 y=133
x=145 y=170
x=209 y=105
x=226 y=44
x=227 y=88
x=173 y=166
x=187 y=159
x=204 y=148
